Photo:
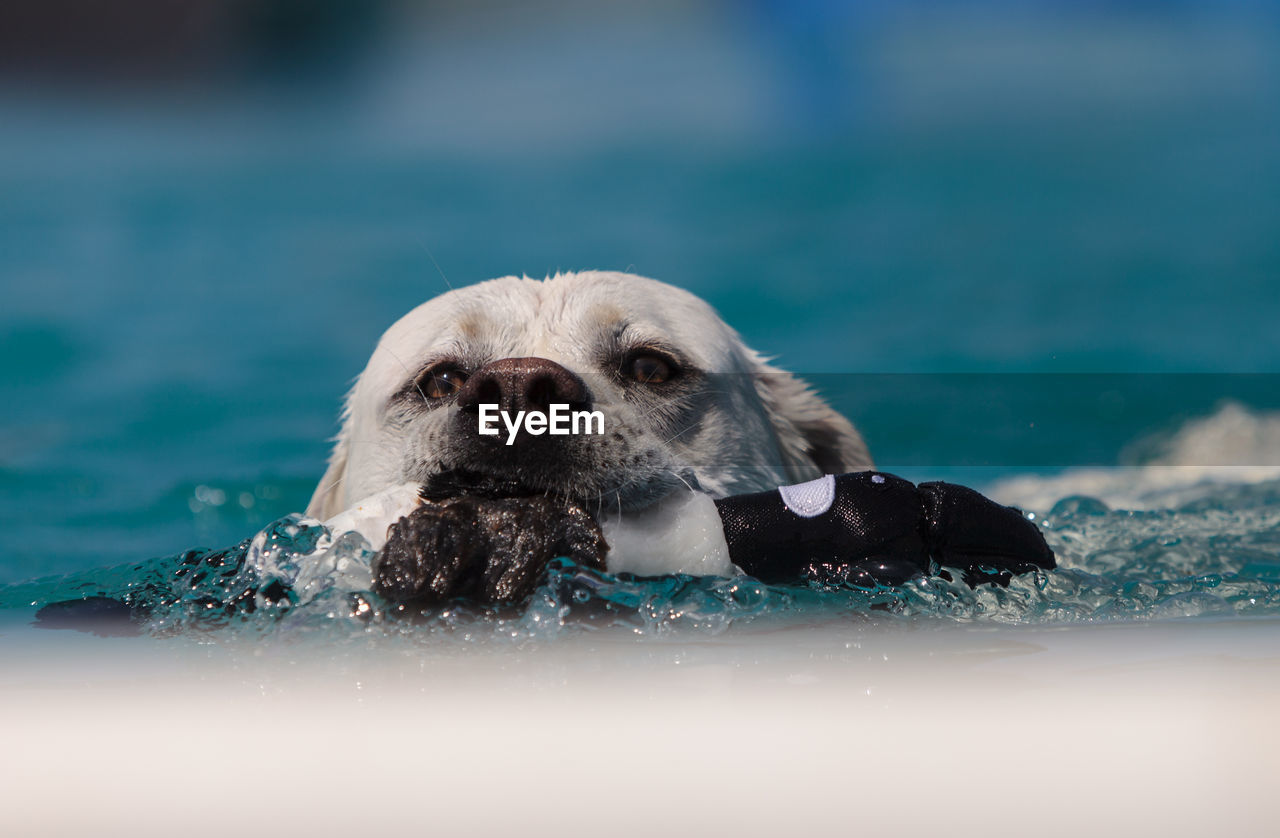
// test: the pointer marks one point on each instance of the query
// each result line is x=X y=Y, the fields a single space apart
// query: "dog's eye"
x=649 y=369
x=441 y=382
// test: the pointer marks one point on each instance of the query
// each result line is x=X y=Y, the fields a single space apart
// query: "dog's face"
x=684 y=402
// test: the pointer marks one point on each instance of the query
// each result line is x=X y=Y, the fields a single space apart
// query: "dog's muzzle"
x=523 y=384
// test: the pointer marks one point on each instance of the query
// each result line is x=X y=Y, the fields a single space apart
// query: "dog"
x=685 y=403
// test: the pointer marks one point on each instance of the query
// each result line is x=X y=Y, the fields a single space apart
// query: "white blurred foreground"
x=848 y=728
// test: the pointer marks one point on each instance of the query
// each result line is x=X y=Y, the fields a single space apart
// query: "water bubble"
x=1078 y=505
x=210 y=496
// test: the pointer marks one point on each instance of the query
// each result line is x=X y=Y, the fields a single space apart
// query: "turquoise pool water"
x=190 y=281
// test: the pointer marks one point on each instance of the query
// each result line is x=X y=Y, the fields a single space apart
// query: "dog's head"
x=684 y=402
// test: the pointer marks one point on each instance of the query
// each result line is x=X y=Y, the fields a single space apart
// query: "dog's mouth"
x=460 y=481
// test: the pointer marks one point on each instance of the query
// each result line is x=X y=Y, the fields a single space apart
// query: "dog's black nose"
x=530 y=384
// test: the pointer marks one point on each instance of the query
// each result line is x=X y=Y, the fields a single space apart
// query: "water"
x=1214 y=557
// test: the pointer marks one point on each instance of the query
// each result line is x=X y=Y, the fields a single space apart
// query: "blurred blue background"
x=210 y=210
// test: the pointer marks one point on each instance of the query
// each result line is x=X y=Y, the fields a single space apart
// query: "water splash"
x=1217 y=556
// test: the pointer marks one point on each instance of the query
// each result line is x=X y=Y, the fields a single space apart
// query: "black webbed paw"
x=430 y=554
x=526 y=533
x=968 y=530
x=491 y=550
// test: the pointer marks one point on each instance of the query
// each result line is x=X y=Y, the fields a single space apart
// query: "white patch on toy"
x=809 y=500
x=682 y=533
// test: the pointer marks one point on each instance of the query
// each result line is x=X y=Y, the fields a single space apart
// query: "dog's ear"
x=327 y=500
x=814 y=439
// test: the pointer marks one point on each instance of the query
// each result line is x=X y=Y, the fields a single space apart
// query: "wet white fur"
x=767 y=419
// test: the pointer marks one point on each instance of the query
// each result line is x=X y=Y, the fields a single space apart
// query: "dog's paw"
x=490 y=550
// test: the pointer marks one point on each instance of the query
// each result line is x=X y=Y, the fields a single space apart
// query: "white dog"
x=684 y=402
